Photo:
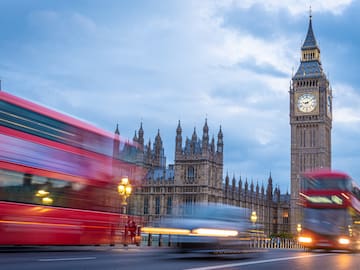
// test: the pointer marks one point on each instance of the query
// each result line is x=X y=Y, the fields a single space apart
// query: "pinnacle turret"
x=178 y=139
x=135 y=138
x=117 y=129
x=141 y=135
x=205 y=137
x=310 y=65
x=194 y=136
x=310 y=41
x=220 y=143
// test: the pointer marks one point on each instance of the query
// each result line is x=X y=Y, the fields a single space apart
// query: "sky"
x=157 y=62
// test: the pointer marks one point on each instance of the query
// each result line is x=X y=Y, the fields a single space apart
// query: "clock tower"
x=310 y=119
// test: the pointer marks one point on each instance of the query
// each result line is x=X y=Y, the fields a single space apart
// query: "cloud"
x=181 y=61
x=294 y=7
x=215 y=60
x=347 y=116
x=263 y=136
x=346 y=102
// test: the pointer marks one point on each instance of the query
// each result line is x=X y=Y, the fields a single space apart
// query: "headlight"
x=344 y=241
x=304 y=239
x=214 y=232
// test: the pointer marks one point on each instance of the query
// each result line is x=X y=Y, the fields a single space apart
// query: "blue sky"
x=158 y=62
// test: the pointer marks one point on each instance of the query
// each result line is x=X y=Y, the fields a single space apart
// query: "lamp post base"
x=124 y=207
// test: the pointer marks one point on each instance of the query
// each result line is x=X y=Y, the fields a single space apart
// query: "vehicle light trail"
x=67 y=259
x=254 y=262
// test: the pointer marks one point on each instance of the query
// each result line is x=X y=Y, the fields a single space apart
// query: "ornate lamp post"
x=253 y=218
x=124 y=189
x=298 y=229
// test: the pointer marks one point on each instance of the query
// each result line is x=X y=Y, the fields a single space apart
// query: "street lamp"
x=124 y=189
x=253 y=218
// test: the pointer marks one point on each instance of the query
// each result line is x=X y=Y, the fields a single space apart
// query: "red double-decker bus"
x=331 y=211
x=59 y=178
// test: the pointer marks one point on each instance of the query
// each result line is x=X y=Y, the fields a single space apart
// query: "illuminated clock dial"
x=306 y=103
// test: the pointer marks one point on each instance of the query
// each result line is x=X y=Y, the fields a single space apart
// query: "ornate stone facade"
x=310 y=119
x=197 y=176
x=197 y=172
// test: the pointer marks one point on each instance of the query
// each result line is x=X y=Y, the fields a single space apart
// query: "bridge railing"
x=275 y=243
x=163 y=240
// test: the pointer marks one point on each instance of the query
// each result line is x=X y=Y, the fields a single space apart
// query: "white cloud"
x=186 y=66
x=239 y=47
x=347 y=116
x=346 y=104
x=294 y=7
x=263 y=136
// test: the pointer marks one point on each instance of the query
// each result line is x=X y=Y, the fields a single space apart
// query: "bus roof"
x=55 y=114
x=328 y=173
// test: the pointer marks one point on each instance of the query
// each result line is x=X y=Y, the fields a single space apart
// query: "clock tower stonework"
x=310 y=119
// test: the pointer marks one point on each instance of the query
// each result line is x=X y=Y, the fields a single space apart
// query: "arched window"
x=169 y=206
x=146 y=206
x=190 y=174
x=157 y=205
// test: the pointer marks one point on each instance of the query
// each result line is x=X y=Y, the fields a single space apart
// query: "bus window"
x=326 y=184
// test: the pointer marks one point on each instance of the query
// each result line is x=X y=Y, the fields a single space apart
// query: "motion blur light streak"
x=303 y=239
x=67 y=259
x=50 y=224
x=42 y=193
x=209 y=228
x=47 y=200
x=57 y=178
x=228 y=266
x=214 y=232
x=344 y=241
x=330 y=202
x=37 y=223
x=165 y=231
x=345 y=196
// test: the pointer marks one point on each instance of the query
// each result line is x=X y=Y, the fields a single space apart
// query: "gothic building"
x=310 y=118
x=197 y=177
x=197 y=172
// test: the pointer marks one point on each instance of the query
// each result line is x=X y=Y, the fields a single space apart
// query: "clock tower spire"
x=310 y=119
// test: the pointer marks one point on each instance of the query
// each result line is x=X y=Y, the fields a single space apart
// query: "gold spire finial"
x=310 y=13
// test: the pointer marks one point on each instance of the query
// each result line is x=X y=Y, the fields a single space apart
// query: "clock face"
x=306 y=103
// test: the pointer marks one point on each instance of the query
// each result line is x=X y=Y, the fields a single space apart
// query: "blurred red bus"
x=59 y=177
x=331 y=211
